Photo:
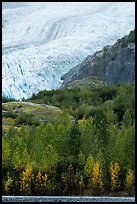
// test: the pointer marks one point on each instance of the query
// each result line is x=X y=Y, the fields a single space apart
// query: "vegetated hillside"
x=92 y=153
x=90 y=82
x=83 y=101
x=113 y=64
x=18 y=114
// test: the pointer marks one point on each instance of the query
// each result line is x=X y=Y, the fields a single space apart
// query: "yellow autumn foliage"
x=114 y=171
x=26 y=179
x=96 y=177
x=8 y=185
x=41 y=182
x=44 y=180
x=129 y=178
x=81 y=183
x=18 y=166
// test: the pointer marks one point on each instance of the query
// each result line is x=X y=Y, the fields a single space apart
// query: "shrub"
x=10 y=114
x=114 y=171
x=26 y=180
x=8 y=186
x=81 y=183
x=129 y=179
x=41 y=183
x=89 y=165
x=96 y=178
x=24 y=118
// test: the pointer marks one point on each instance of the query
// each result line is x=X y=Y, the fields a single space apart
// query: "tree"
x=41 y=183
x=96 y=178
x=26 y=181
x=89 y=165
x=74 y=141
x=127 y=119
x=87 y=139
x=50 y=158
x=8 y=186
x=129 y=180
x=68 y=180
x=5 y=152
x=114 y=176
x=81 y=159
x=81 y=184
x=20 y=157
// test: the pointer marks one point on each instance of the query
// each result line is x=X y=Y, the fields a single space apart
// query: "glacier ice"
x=41 y=43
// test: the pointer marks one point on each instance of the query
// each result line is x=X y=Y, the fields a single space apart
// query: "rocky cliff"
x=113 y=64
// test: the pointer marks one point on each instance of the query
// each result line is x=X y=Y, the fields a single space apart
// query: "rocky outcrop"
x=113 y=64
x=90 y=82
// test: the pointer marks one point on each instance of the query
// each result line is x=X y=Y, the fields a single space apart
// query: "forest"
x=86 y=149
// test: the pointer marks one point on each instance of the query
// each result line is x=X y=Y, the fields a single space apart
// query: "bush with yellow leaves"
x=8 y=186
x=81 y=183
x=38 y=185
x=129 y=179
x=26 y=181
x=96 y=178
x=114 y=173
x=41 y=183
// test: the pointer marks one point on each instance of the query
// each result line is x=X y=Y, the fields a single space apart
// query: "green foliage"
x=24 y=118
x=127 y=119
x=74 y=140
x=50 y=158
x=10 y=114
x=6 y=99
x=5 y=152
x=27 y=119
x=77 y=101
x=125 y=99
x=128 y=39
x=75 y=151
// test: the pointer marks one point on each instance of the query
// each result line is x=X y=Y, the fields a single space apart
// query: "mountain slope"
x=87 y=82
x=27 y=113
x=113 y=64
x=42 y=43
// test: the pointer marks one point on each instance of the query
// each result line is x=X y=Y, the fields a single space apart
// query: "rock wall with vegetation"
x=113 y=64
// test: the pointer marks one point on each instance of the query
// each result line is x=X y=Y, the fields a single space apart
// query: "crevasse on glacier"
x=40 y=44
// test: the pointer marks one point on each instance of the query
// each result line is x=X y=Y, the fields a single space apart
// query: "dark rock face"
x=113 y=64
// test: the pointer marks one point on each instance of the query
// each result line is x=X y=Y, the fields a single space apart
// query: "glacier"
x=41 y=42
